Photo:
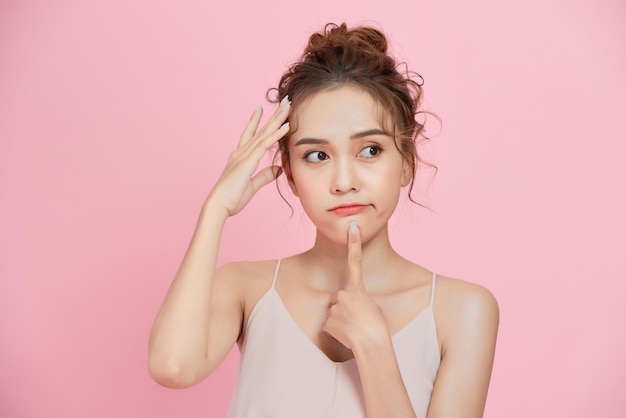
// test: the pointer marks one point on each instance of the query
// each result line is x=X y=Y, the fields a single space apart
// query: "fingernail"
x=284 y=125
x=285 y=103
x=353 y=227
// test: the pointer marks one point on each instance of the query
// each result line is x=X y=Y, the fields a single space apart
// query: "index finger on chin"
x=355 y=258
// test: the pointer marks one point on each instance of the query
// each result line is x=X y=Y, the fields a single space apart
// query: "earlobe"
x=407 y=174
x=292 y=186
x=290 y=181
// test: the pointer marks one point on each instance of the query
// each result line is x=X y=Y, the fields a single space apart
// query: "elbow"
x=170 y=374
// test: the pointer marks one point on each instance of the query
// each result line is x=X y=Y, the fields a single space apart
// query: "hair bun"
x=335 y=36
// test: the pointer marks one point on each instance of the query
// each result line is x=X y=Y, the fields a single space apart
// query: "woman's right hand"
x=238 y=182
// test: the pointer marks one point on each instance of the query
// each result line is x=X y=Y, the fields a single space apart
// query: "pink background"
x=117 y=116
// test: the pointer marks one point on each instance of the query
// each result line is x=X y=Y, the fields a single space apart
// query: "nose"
x=345 y=178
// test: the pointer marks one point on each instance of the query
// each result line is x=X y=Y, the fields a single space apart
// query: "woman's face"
x=343 y=166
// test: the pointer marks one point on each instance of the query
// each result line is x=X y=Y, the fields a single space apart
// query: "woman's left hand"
x=354 y=318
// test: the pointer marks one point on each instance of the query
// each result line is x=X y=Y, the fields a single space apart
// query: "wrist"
x=214 y=211
x=373 y=347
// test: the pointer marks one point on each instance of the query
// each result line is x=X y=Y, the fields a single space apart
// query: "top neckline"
x=308 y=341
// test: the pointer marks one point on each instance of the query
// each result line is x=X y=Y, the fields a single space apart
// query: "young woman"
x=348 y=328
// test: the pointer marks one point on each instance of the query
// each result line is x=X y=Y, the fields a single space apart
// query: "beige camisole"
x=282 y=374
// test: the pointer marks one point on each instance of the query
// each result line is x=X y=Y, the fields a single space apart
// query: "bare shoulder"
x=461 y=296
x=244 y=283
x=464 y=309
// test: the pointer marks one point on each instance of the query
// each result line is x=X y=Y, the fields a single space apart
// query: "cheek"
x=301 y=183
x=392 y=174
x=305 y=188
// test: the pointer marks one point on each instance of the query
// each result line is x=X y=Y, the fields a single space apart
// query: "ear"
x=292 y=185
x=289 y=177
x=407 y=173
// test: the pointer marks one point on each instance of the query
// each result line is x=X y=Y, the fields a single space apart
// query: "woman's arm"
x=469 y=324
x=383 y=387
x=200 y=318
x=467 y=319
x=181 y=352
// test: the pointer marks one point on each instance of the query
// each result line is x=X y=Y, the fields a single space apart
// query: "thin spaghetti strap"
x=432 y=290
x=276 y=273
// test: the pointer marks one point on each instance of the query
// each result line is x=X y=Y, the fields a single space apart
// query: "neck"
x=328 y=261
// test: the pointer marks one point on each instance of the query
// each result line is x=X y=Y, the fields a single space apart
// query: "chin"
x=339 y=235
x=333 y=235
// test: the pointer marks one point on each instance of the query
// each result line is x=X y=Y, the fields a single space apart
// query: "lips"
x=348 y=209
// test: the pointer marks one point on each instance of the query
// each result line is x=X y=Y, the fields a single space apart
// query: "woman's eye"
x=316 y=156
x=371 y=151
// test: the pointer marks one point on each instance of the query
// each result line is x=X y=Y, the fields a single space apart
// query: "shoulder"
x=464 y=310
x=245 y=280
x=454 y=295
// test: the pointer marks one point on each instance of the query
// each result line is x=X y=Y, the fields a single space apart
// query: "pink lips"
x=348 y=209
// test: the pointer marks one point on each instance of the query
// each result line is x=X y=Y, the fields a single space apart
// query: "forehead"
x=333 y=112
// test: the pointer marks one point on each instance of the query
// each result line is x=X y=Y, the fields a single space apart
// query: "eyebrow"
x=357 y=135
